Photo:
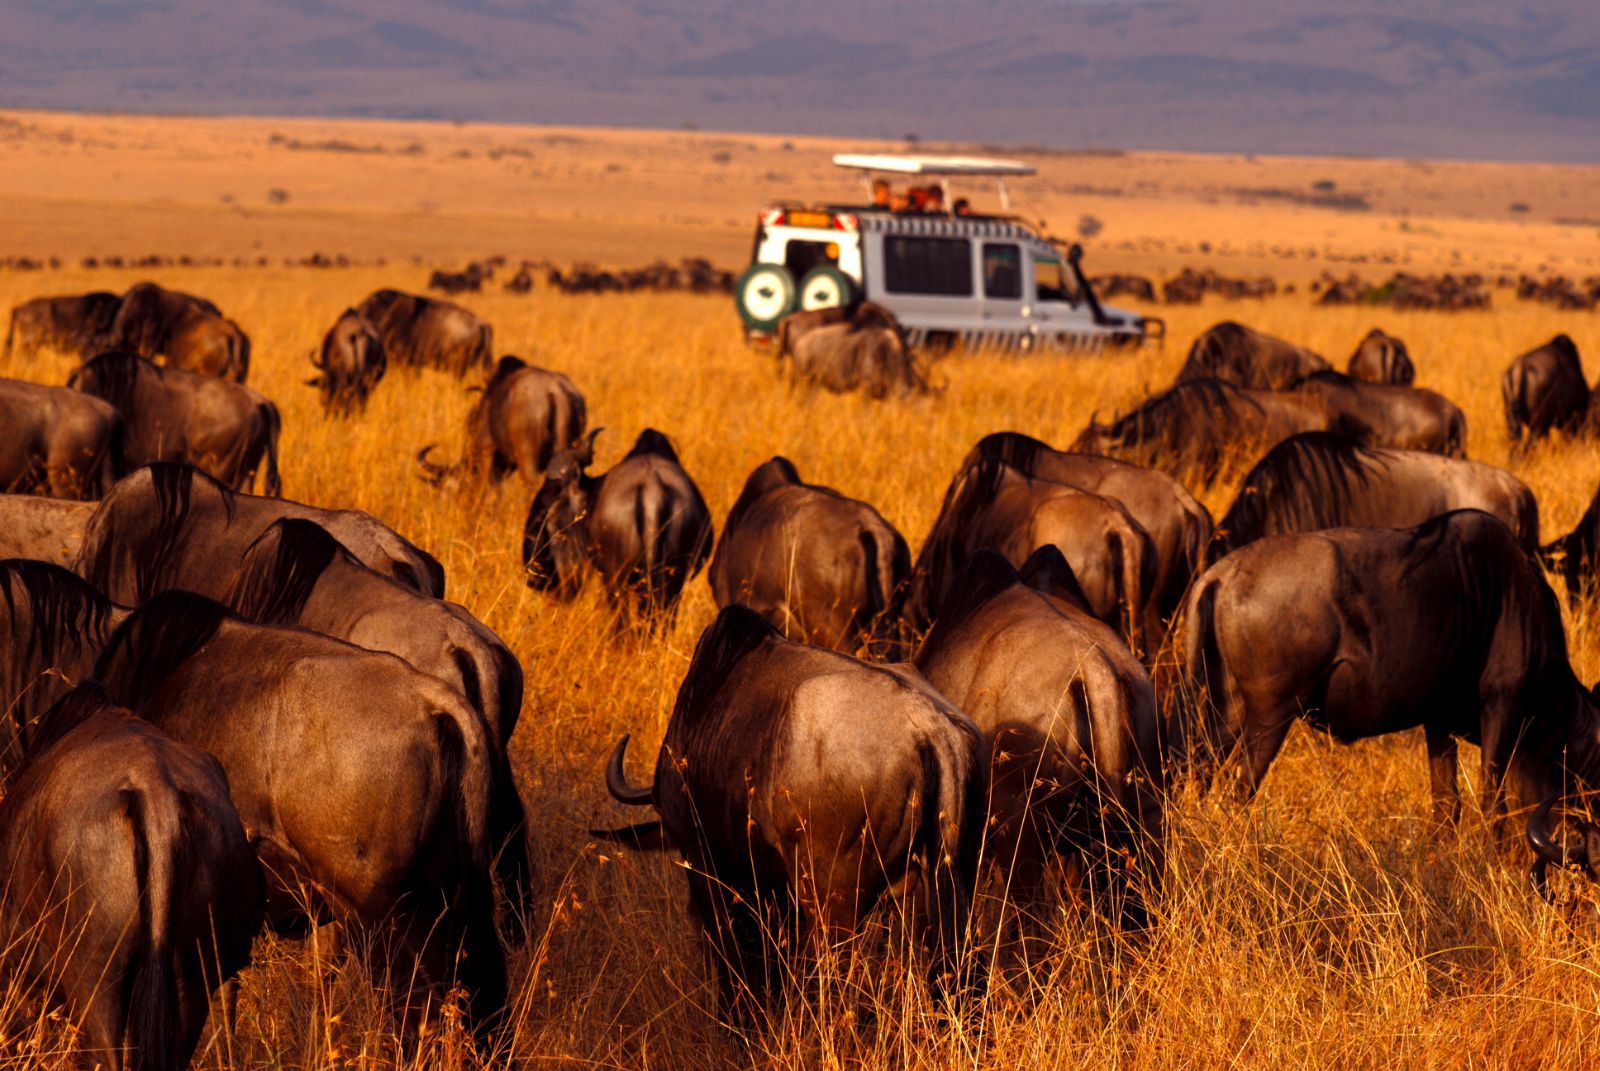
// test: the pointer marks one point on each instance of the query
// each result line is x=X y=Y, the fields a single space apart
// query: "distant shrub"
x=1089 y=226
x=277 y=197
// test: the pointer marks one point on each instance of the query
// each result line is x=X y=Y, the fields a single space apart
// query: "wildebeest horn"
x=432 y=472
x=617 y=780
x=1541 y=840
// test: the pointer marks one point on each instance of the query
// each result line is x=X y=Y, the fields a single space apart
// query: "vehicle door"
x=927 y=282
x=1058 y=315
x=1006 y=305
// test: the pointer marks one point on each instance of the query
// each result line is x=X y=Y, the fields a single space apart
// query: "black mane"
x=281 y=569
x=1305 y=482
x=155 y=642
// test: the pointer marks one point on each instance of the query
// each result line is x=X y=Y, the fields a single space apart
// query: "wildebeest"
x=1202 y=425
x=991 y=504
x=53 y=626
x=1544 y=389
x=57 y=441
x=860 y=347
x=524 y=417
x=366 y=786
x=1576 y=555
x=70 y=323
x=643 y=525
x=1245 y=357
x=1070 y=720
x=1382 y=414
x=130 y=889
x=188 y=331
x=421 y=331
x=1179 y=527
x=167 y=521
x=223 y=428
x=796 y=780
x=822 y=568
x=1382 y=358
x=349 y=365
x=1366 y=631
x=43 y=529
x=1320 y=480
x=297 y=574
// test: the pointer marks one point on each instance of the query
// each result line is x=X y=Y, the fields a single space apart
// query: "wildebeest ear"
x=1047 y=571
x=70 y=711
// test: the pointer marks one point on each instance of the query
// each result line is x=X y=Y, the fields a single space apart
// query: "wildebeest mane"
x=116 y=373
x=777 y=472
x=1193 y=411
x=58 y=603
x=505 y=367
x=281 y=569
x=652 y=442
x=154 y=642
x=1021 y=452
x=172 y=484
x=973 y=488
x=66 y=714
x=1048 y=571
x=985 y=575
x=736 y=632
x=1304 y=483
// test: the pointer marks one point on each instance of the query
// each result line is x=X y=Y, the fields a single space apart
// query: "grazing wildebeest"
x=1320 y=480
x=1576 y=555
x=57 y=441
x=170 y=414
x=1179 y=527
x=43 y=529
x=297 y=574
x=1070 y=721
x=366 y=786
x=1382 y=414
x=1366 y=631
x=349 y=365
x=1245 y=357
x=861 y=347
x=69 y=324
x=130 y=889
x=991 y=504
x=188 y=331
x=525 y=417
x=53 y=626
x=426 y=331
x=799 y=782
x=1201 y=426
x=643 y=525
x=1382 y=358
x=1544 y=389
x=169 y=521
x=822 y=568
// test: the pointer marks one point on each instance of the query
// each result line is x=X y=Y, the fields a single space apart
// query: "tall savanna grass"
x=1328 y=924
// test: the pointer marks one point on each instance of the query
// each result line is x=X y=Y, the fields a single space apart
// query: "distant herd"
x=232 y=711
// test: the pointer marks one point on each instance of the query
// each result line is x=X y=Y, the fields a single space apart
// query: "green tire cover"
x=825 y=287
x=765 y=295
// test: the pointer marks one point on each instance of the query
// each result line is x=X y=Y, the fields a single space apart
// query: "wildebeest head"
x=554 y=542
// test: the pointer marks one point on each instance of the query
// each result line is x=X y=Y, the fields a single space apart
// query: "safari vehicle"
x=983 y=280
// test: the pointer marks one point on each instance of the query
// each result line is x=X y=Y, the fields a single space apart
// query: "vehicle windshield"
x=1050 y=276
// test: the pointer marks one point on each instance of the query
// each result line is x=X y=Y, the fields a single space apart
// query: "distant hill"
x=1466 y=78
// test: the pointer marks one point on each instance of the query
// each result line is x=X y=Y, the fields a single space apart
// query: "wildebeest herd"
x=232 y=713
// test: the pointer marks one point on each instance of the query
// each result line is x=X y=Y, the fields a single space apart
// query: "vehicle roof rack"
x=917 y=164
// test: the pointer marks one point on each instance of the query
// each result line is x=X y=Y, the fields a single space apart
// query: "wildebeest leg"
x=1258 y=745
x=737 y=946
x=102 y=1026
x=1442 y=763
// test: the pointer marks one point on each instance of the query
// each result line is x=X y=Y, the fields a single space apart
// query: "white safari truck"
x=983 y=280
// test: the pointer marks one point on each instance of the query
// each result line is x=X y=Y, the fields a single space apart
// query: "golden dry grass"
x=1324 y=926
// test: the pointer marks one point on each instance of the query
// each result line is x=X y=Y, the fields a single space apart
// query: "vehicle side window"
x=1002 y=270
x=800 y=256
x=927 y=266
x=1051 y=279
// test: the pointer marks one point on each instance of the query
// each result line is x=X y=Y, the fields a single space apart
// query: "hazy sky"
x=1471 y=78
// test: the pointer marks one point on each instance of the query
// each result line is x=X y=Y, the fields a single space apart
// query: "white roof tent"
x=941 y=166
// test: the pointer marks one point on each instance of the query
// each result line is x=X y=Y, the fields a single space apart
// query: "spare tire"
x=826 y=287
x=765 y=295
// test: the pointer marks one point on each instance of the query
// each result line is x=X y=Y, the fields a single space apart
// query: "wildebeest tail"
x=483 y=354
x=508 y=825
x=153 y=1030
x=1511 y=389
x=1198 y=703
x=274 y=425
x=11 y=331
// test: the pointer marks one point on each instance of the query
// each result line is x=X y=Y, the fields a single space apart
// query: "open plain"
x=1326 y=925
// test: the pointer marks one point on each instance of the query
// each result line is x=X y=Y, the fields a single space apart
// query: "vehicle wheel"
x=765 y=295
x=826 y=287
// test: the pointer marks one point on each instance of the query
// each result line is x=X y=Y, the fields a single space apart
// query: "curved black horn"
x=1543 y=844
x=432 y=471
x=617 y=780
